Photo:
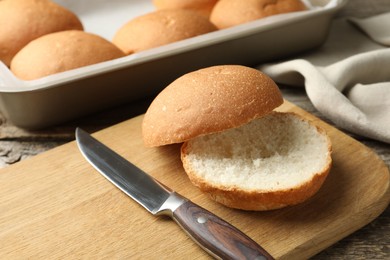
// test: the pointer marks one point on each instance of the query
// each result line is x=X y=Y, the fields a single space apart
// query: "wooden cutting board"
x=56 y=206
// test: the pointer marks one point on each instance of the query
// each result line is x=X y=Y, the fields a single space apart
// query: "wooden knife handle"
x=215 y=235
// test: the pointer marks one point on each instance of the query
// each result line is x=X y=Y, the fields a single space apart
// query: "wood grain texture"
x=56 y=206
x=216 y=235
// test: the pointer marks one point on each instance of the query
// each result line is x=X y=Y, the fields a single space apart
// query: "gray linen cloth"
x=348 y=78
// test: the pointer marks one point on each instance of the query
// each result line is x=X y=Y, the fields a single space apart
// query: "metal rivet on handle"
x=202 y=220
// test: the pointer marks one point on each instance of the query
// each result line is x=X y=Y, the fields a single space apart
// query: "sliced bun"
x=269 y=163
x=159 y=28
x=236 y=148
x=228 y=13
x=207 y=101
x=25 y=20
x=202 y=6
x=62 y=51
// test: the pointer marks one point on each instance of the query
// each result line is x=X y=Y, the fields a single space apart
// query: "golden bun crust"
x=202 y=6
x=228 y=13
x=27 y=20
x=62 y=51
x=207 y=101
x=159 y=28
x=264 y=197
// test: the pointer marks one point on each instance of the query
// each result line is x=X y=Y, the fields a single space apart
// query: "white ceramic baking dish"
x=69 y=95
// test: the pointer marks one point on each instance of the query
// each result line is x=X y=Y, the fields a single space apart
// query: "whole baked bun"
x=207 y=101
x=62 y=51
x=228 y=13
x=159 y=28
x=202 y=6
x=236 y=149
x=25 y=20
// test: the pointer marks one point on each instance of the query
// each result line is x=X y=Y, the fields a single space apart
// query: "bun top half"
x=25 y=20
x=207 y=101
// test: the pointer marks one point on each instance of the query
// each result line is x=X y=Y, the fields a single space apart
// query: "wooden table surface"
x=370 y=242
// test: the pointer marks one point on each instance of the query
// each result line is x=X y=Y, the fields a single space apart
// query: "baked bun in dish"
x=62 y=51
x=160 y=28
x=228 y=13
x=202 y=6
x=25 y=20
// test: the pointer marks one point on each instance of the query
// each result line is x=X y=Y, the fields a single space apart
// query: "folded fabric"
x=377 y=27
x=347 y=80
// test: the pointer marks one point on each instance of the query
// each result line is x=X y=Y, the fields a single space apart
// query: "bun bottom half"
x=276 y=161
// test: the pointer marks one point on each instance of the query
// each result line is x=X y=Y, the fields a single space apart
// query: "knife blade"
x=216 y=236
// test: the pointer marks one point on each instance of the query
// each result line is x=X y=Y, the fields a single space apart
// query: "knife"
x=217 y=237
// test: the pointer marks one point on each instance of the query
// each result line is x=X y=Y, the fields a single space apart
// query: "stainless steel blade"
x=148 y=192
x=216 y=236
